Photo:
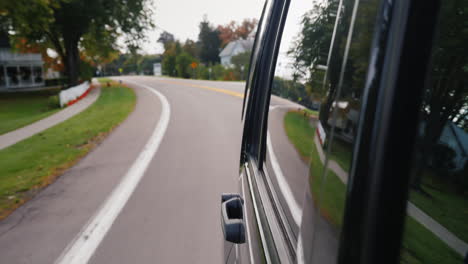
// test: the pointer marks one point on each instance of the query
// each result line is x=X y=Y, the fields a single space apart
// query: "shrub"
x=53 y=101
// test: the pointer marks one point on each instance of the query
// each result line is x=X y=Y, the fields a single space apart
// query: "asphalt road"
x=173 y=213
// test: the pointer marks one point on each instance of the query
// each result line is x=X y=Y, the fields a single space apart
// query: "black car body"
x=379 y=173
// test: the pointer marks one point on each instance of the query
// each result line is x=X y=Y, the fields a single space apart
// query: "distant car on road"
x=371 y=177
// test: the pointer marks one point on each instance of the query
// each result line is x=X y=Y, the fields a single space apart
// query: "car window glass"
x=335 y=129
x=292 y=115
x=436 y=229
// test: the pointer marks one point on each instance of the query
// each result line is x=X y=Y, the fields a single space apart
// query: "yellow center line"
x=219 y=90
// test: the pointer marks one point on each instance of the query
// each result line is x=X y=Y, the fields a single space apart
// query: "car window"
x=333 y=133
x=437 y=208
x=292 y=115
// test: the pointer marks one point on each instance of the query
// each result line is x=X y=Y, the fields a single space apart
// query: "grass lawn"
x=341 y=152
x=419 y=244
x=32 y=164
x=300 y=133
x=311 y=112
x=445 y=205
x=20 y=109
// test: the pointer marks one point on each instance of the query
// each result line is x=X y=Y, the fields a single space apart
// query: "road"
x=172 y=216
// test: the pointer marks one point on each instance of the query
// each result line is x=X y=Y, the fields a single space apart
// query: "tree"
x=183 y=61
x=190 y=47
x=74 y=26
x=241 y=64
x=312 y=48
x=446 y=96
x=169 y=58
x=166 y=38
x=209 y=42
x=246 y=27
x=226 y=33
x=234 y=31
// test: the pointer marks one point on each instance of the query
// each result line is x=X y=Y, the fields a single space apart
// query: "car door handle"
x=232 y=218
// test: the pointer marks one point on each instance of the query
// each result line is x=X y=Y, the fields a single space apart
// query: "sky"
x=181 y=17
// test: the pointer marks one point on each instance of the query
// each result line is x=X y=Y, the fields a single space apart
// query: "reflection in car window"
x=292 y=115
x=334 y=129
x=436 y=229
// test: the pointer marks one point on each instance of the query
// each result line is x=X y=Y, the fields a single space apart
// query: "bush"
x=202 y=72
x=86 y=71
x=53 y=101
x=183 y=62
x=62 y=81
x=217 y=72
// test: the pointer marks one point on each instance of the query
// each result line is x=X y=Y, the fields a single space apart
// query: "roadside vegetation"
x=194 y=59
x=20 y=109
x=443 y=202
x=419 y=244
x=32 y=164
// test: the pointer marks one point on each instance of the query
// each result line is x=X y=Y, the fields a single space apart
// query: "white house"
x=233 y=48
x=19 y=70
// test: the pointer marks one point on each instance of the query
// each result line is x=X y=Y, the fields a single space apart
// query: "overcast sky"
x=181 y=17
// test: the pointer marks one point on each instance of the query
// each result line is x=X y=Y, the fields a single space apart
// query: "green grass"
x=311 y=112
x=446 y=205
x=20 y=109
x=341 y=152
x=35 y=162
x=419 y=244
x=300 y=133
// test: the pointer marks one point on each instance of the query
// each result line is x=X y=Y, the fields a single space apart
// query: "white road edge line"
x=296 y=210
x=83 y=246
x=285 y=189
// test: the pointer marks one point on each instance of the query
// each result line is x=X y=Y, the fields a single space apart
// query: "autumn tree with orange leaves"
x=234 y=31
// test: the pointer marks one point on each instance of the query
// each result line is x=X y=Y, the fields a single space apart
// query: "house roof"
x=246 y=45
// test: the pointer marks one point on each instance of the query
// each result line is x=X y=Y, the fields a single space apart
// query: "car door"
x=330 y=118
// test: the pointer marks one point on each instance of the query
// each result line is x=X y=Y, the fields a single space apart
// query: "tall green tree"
x=191 y=48
x=169 y=58
x=71 y=27
x=209 y=42
x=312 y=47
x=166 y=38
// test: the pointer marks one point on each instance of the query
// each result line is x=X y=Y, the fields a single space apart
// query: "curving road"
x=172 y=216
x=150 y=193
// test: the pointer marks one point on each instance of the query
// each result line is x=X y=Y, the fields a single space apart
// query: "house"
x=19 y=71
x=234 y=48
x=456 y=139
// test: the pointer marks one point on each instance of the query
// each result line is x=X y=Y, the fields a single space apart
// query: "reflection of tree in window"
x=439 y=181
x=2 y=76
x=25 y=74
x=446 y=96
x=311 y=48
x=37 y=74
x=12 y=73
